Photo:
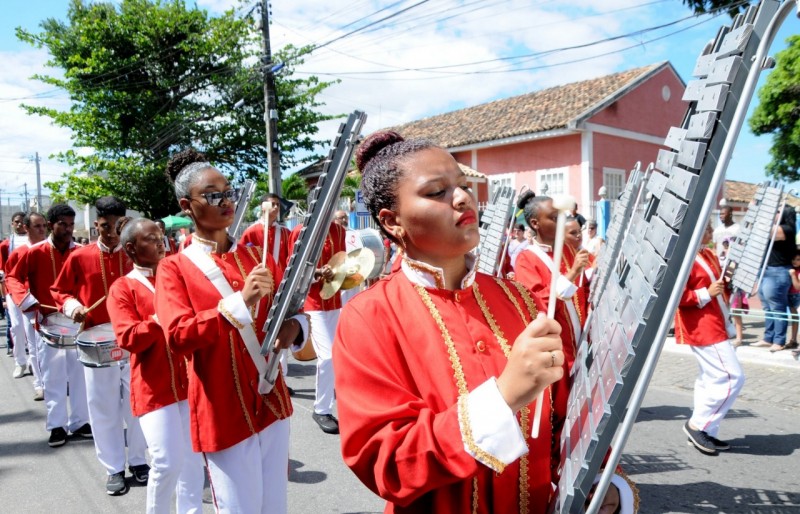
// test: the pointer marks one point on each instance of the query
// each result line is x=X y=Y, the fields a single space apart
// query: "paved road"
x=758 y=475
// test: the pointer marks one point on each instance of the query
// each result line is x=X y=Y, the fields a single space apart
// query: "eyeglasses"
x=215 y=198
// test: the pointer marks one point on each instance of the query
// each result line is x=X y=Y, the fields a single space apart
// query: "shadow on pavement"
x=644 y=463
x=712 y=497
x=672 y=412
x=22 y=416
x=303 y=370
x=304 y=477
x=767 y=445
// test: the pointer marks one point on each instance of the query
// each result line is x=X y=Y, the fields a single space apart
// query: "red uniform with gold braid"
x=224 y=401
x=159 y=390
x=254 y=236
x=420 y=423
x=86 y=277
x=61 y=371
x=158 y=376
x=334 y=243
x=705 y=325
x=534 y=273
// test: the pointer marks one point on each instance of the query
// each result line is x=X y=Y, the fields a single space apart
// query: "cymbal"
x=350 y=270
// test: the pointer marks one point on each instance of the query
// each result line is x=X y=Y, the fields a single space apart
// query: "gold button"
x=235 y=283
x=112 y=273
x=457 y=297
x=224 y=256
x=481 y=346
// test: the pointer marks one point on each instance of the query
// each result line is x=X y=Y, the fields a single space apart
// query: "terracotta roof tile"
x=742 y=192
x=540 y=111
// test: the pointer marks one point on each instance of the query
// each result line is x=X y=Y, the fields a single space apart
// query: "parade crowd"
x=439 y=374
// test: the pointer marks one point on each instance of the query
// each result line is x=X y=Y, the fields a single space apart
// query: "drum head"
x=58 y=324
x=97 y=334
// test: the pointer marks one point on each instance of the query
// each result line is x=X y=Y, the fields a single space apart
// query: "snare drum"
x=59 y=331
x=97 y=347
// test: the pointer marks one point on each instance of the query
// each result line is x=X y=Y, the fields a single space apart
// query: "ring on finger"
x=552 y=359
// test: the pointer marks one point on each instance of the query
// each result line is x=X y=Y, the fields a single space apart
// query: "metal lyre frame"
x=771 y=244
x=777 y=13
x=293 y=289
x=247 y=190
x=510 y=226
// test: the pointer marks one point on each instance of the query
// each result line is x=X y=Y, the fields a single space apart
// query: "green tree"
x=733 y=7
x=149 y=77
x=778 y=112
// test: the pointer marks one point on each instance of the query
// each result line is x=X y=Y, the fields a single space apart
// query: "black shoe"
x=58 y=437
x=115 y=485
x=84 y=431
x=700 y=440
x=327 y=423
x=291 y=391
x=720 y=445
x=140 y=473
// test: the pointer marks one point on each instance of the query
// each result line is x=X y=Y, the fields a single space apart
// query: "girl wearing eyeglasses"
x=212 y=300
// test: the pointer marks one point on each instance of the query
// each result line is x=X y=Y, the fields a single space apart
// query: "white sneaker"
x=19 y=371
x=38 y=394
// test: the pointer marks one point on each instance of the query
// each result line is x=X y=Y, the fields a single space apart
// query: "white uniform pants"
x=717 y=385
x=323 y=328
x=34 y=348
x=252 y=476
x=61 y=373
x=175 y=467
x=108 y=391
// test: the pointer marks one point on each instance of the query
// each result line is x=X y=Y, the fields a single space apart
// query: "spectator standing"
x=775 y=284
x=578 y=217
x=591 y=241
x=794 y=299
x=517 y=244
x=725 y=231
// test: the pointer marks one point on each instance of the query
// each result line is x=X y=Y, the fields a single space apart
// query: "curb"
x=746 y=353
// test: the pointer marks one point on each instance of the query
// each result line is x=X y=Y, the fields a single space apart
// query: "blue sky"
x=386 y=70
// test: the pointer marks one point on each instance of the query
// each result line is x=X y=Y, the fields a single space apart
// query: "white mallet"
x=265 y=209
x=562 y=203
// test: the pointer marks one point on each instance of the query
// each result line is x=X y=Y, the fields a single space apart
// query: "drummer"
x=278 y=247
x=159 y=383
x=80 y=292
x=212 y=300
x=62 y=374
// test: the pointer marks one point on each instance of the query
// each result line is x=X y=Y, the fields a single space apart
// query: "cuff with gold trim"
x=28 y=302
x=70 y=306
x=702 y=297
x=489 y=428
x=235 y=310
x=564 y=288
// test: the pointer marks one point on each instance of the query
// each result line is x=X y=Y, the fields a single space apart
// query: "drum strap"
x=206 y=264
x=720 y=300
x=573 y=314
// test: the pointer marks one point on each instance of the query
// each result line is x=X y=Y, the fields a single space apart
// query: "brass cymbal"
x=350 y=270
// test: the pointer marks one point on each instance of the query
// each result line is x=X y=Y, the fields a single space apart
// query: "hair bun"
x=525 y=198
x=373 y=144
x=182 y=159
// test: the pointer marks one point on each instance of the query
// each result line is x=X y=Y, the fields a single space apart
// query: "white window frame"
x=547 y=175
x=500 y=179
x=613 y=172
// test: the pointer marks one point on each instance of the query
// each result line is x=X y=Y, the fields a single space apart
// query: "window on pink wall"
x=551 y=183
x=614 y=180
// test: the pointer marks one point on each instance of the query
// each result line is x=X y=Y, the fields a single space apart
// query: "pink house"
x=569 y=139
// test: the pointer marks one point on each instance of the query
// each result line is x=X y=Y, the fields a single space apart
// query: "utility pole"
x=25 y=185
x=38 y=185
x=271 y=104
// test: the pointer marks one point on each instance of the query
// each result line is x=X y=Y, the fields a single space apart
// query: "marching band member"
x=324 y=316
x=36 y=227
x=159 y=384
x=207 y=297
x=437 y=366
x=17 y=239
x=83 y=284
x=534 y=267
x=278 y=247
x=702 y=323
x=61 y=371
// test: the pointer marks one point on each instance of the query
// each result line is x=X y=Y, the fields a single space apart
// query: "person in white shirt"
x=726 y=230
x=517 y=244
x=591 y=241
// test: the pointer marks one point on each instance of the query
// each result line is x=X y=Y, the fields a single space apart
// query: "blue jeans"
x=774 y=294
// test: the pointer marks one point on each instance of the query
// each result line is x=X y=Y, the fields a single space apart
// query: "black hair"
x=57 y=210
x=530 y=205
x=183 y=182
x=109 y=206
x=121 y=222
x=18 y=213
x=519 y=226
x=379 y=158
